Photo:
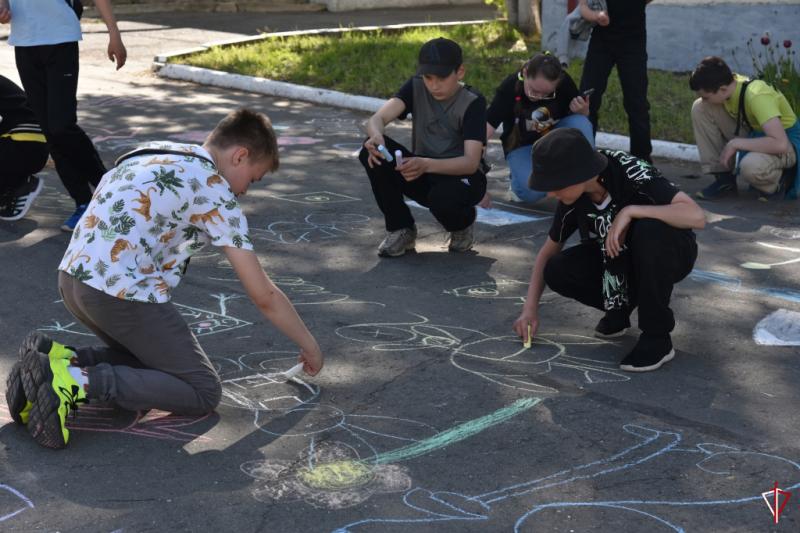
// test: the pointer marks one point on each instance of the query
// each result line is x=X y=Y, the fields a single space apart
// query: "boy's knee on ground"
x=210 y=396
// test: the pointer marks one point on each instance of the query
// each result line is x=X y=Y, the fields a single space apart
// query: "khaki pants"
x=714 y=127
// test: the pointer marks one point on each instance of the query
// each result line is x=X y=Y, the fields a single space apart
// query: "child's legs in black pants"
x=449 y=198
x=20 y=160
x=153 y=360
x=49 y=75
x=661 y=257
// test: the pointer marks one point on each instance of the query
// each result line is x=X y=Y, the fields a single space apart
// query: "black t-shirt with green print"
x=629 y=181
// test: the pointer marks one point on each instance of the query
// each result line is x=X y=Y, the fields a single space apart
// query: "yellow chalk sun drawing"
x=336 y=476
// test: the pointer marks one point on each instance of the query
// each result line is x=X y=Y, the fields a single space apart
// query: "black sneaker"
x=613 y=324
x=15 y=204
x=54 y=394
x=650 y=353
x=18 y=405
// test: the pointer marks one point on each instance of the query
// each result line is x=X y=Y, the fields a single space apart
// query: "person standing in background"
x=45 y=34
x=620 y=38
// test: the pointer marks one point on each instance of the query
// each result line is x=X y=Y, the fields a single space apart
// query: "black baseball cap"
x=440 y=57
x=563 y=158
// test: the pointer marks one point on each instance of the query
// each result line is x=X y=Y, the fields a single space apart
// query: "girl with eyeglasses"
x=529 y=103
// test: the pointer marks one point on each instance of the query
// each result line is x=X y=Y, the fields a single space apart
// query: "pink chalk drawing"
x=153 y=424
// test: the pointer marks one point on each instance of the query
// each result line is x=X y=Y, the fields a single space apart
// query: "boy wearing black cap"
x=443 y=171
x=636 y=242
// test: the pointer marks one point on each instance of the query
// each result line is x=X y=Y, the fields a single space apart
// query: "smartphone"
x=587 y=92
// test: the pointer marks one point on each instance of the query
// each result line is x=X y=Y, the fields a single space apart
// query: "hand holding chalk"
x=398 y=154
x=529 y=342
x=385 y=153
x=289 y=374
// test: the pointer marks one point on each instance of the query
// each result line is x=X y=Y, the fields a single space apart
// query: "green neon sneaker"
x=18 y=405
x=55 y=394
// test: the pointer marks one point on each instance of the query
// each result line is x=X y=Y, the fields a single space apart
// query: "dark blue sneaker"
x=723 y=184
x=72 y=221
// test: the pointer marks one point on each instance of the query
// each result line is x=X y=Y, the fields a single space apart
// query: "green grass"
x=377 y=63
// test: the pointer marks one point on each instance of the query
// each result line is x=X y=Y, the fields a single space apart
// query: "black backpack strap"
x=741 y=116
x=160 y=151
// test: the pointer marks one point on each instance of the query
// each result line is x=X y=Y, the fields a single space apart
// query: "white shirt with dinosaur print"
x=148 y=216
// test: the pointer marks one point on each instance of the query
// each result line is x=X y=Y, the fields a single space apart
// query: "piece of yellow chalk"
x=527 y=344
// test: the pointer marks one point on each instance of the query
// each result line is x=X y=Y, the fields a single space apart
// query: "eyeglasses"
x=533 y=95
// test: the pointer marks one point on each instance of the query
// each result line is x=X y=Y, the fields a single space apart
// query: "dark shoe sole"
x=613 y=335
x=44 y=424
x=667 y=358
x=37 y=342
x=15 y=394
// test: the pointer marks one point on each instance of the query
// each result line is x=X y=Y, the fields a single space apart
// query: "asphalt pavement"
x=429 y=415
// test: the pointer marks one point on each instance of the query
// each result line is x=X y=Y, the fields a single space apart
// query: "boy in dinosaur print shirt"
x=161 y=204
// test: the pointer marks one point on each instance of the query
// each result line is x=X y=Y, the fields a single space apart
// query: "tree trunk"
x=512 y=9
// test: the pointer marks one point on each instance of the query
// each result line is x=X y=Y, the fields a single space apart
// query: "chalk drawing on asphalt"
x=756 y=265
x=621 y=483
x=734 y=284
x=332 y=474
x=152 y=424
x=500 y=289
x=314 y=228
x=12 y=502
x=316 y=197
x=499 y=359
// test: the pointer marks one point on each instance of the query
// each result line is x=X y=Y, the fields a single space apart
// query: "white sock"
x=80 y=376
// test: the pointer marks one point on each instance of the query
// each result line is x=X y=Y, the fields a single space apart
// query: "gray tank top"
x=437 y=129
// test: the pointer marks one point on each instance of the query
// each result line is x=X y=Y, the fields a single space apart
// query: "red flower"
x=787 y=43
x=765 y=39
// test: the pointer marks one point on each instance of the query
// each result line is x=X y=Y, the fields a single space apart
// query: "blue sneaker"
x=723 y=184
x=72 y=221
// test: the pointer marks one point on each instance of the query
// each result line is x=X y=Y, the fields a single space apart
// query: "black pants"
x=630 y=57
x=18 y=160
x=49 y=75
x=661 y=256
x=450 y=199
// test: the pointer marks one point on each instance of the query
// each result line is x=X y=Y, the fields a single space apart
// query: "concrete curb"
x=216 y=78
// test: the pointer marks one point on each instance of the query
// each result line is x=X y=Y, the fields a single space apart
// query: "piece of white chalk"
x=291 y=373
x=398 y=154
x=387 y=155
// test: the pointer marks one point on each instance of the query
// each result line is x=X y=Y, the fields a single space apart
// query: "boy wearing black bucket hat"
x=443 y=171
x=636 y=242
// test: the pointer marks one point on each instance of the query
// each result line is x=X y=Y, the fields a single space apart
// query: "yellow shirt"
x=762 y=102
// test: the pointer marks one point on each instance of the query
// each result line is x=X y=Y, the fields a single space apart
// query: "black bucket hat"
x=440 y=57
x=563 y=158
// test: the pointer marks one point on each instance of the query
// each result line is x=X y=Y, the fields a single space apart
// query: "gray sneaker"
x=462 y=240
x=398 y=242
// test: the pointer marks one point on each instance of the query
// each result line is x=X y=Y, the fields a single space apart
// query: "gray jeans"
x=151 y=359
